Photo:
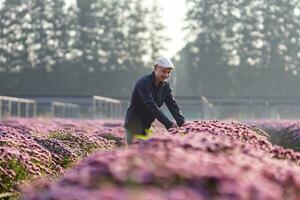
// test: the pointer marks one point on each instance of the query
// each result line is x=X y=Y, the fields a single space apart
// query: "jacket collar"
x=152 y=78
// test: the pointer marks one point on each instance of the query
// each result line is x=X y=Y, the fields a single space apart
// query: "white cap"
x=164 y=62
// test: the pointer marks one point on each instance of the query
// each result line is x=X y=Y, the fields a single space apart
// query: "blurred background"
x=80 y=58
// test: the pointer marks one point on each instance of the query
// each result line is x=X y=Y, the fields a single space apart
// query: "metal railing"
x=17 y=107
x=201 y=107
x=65 y=110
x=104 y=107
x=240 y=108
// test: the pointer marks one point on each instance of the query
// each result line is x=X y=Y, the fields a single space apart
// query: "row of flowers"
x=285 y=133
x=201 y=160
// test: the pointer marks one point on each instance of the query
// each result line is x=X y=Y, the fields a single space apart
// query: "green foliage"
x=17 y=172
x=66 y=162
x=10 y=196
x=85 y=144
x=284 y=137
x=118 y=140
x=260 y=132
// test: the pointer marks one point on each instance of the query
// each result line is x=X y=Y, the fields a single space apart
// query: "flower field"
x=38 y=147
x=201 y=160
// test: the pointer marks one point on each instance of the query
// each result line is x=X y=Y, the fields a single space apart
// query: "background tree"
x=94 y=47
x=242 y=48
x=14 y=22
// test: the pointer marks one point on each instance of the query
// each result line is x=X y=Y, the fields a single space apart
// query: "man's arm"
x=144 y=92
x=173 y=107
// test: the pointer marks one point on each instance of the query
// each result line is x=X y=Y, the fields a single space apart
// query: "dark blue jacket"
x=146 y=100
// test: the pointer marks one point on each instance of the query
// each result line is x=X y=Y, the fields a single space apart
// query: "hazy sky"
x=173 y=13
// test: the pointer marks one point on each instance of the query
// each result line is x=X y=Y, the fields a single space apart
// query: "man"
x=149 y=94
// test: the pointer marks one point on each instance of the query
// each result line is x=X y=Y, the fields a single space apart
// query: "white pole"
x=121 y=110
x=112 y=107
x=1 y=109
x=9 y=108
x=52 y=110
x=112 y=110
x=34 y=110
x=64 y=112
x=19 y=109
x=94 y=108
x=27 y=111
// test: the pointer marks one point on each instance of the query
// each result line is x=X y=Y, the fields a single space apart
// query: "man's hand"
x=174 y=126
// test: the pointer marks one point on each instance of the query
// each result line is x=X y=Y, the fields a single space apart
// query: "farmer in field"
x=149 y=94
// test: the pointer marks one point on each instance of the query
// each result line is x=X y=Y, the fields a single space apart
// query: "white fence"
x=104 y=107
x=65 y=110
x=95 y=107
x=17 y=107
x=192 y=108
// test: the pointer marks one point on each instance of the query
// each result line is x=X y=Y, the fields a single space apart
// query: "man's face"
x=162 y=73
